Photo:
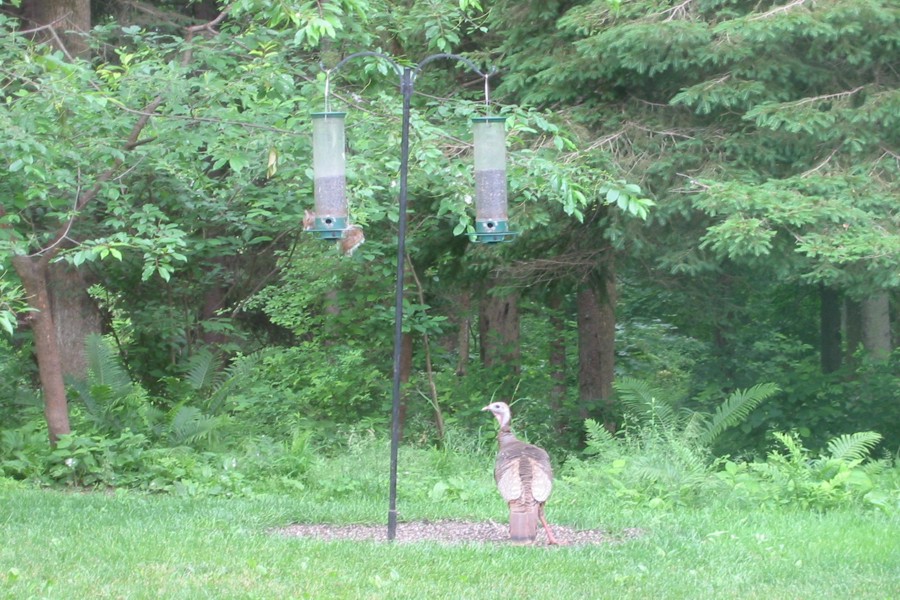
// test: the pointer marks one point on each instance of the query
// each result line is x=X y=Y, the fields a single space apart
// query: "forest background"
x=706 y=193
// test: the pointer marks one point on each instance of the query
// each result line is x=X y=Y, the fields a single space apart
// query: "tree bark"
x=852 y=329
x=32 y=272
x=868 y=324
x=596 y=344
x=498 y=329
x=65 y=24
x=830 y=329
x=75 y=316
x=557 y=359
x=876 y=325
x=465 y=330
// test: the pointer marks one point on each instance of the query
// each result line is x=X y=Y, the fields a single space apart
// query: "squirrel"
x=351 y=239
x=309 y=220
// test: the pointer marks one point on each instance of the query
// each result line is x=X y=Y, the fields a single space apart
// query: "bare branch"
x=676 y=11
x=779 y=9
x=694 y=182
x=821 y=164
x=824 y=97
x=50 y=25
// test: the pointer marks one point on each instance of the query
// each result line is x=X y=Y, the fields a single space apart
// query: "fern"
x=797 y=453
x=203 y=369
x=599 y=439
x=646 y=403
x=653 y=409
x=734 y=410
x=237 y=371
x=189 y=426
x=634 y=392
x=111 y=399
x=853 y=447
x=104 y=366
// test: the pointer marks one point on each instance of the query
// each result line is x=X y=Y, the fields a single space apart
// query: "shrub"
x=842 y=475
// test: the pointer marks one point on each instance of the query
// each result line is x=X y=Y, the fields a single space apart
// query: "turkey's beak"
x=488 y=407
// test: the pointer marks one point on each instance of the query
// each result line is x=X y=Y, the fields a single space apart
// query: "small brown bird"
x=525 y=479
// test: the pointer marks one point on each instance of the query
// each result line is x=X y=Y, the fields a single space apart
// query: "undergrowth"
x=219 y=439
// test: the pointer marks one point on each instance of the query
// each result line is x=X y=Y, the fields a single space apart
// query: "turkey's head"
x=500 y=410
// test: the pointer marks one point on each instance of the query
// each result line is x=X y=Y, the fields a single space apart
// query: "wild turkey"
x=525 y=479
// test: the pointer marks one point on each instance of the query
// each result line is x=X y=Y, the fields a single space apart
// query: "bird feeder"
x=491 y=220
x=329 y=171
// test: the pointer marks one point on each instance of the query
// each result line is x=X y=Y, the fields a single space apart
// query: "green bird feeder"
x=329 y=171
x=491 y=219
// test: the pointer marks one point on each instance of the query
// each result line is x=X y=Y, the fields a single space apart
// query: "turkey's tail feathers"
x=523 y=523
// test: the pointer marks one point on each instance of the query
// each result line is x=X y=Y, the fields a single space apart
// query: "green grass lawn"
x=127 y=545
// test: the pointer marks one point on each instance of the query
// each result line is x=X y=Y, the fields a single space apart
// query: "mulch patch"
x=452 y=532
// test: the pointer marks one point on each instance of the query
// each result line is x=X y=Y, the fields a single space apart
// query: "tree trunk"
x=852 y=329
x=75 y=316
x=830 y=329
x=67 y=24
x=465 y=330
x=876 y=325
x=557 y=359
x=498 y=329
x=214 y=299
x=596 y=345
x=33 y=272
x=205 y=10
x=868 y=324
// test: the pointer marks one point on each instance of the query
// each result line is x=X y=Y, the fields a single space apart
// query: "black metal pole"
x=406 y=88
x=407 y=81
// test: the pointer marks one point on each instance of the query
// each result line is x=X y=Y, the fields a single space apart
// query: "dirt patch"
x=452 y=532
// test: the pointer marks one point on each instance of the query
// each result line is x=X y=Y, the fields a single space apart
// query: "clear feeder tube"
x=490 y=178
x=329 y=169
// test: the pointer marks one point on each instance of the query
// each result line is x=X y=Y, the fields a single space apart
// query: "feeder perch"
x=329 y=171
x=491 y=219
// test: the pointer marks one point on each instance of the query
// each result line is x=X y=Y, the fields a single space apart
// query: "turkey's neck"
x=505 y=435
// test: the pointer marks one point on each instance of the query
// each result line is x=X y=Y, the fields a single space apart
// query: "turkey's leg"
x=551 y=539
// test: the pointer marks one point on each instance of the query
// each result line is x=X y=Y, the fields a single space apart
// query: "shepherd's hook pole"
x=406 y=88
x=407 y=82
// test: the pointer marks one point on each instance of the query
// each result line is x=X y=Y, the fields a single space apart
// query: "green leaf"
x=238 y=162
